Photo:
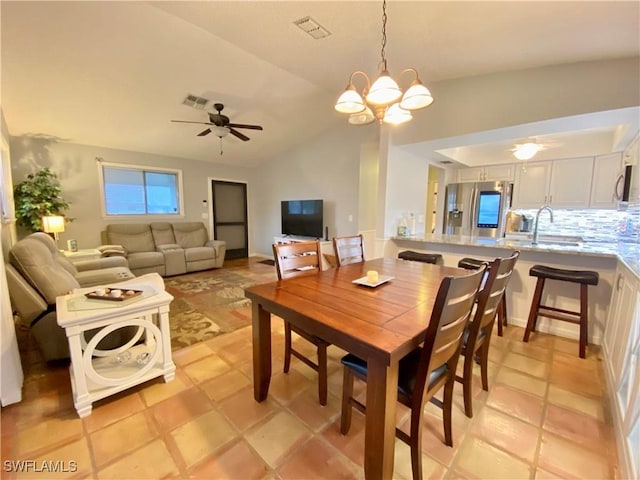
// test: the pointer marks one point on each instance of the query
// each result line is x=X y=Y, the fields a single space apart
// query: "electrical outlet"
x=351 y=218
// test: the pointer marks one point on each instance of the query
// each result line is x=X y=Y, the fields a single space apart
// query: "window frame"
x=143 y=169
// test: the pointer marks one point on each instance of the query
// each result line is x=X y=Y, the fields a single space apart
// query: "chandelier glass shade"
x=383 y=100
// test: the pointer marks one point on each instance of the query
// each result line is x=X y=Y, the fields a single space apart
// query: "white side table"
x=83 y=254
x=96 y=374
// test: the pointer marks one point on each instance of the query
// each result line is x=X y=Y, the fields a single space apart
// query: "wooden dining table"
x=379 y=324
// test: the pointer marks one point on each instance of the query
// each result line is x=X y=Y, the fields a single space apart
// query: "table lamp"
x=53 y=224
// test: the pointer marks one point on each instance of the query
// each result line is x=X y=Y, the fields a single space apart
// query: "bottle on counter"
x=403 y=229
x=412 y=224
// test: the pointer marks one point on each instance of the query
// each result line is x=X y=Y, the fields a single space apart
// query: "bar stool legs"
x=584 y=278
x=534 y=310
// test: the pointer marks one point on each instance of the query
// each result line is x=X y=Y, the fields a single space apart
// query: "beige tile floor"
x=545 y=416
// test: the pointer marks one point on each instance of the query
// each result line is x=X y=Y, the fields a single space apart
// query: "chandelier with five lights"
x=384 y=100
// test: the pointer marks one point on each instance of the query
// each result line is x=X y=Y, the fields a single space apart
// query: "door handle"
x=617 y=195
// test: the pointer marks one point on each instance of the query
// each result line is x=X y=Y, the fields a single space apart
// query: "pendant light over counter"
x=384 y=100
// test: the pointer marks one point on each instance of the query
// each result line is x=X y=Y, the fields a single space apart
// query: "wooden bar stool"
x=434 y=258
x=582 y=277
x=474 y=264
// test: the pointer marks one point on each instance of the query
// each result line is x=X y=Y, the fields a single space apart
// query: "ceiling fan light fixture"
x=526 y=151
x=220 y=132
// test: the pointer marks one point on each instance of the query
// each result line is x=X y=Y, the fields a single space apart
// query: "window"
x=130 y=190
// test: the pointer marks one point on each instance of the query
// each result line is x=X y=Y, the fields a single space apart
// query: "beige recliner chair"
x=88 y=273
x=36 y=276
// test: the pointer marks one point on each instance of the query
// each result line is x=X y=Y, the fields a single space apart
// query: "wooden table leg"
x=380 y=433
x=261 y=329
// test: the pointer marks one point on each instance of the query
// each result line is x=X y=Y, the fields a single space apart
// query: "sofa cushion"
x=134 y=237
x=190 y=234
x=145 y=260
x=162 y=233
x=196 y=254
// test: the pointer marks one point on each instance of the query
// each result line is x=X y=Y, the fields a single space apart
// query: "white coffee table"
x=96 y=374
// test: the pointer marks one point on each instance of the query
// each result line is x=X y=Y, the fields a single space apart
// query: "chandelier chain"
x=384 y=35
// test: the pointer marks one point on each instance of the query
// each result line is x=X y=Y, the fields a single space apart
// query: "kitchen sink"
x=560 y=240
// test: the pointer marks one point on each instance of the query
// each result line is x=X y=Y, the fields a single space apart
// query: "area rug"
x=210 y=303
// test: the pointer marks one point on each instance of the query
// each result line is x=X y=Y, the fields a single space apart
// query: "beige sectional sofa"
x=165 y=248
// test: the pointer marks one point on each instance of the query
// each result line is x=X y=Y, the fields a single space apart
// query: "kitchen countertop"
x=627 y=253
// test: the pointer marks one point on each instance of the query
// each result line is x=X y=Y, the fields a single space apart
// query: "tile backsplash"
x=592 y=225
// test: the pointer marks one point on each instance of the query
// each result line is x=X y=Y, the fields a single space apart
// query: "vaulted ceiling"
x=115 y=74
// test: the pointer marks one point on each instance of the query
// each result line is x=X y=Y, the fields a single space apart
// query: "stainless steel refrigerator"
x=477 y=209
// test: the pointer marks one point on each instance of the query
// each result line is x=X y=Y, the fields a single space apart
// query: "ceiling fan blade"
x=205 y=132
x=240 y=125
x=237 y=134
x=186 y=121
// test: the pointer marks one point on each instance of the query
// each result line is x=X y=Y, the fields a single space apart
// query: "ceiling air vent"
x=195 y=101
x=312 y=28
x=445 y=162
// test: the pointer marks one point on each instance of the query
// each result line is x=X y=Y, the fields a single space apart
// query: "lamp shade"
x=416 y=97
x=396 y=115
x=384 y=90
x=53 y=224
x=362 y=118
x=220 y=131
x=350 y=102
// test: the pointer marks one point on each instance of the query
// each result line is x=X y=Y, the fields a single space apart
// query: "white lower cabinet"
x=622 y=365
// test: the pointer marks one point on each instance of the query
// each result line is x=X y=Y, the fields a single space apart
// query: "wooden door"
x=230 y=217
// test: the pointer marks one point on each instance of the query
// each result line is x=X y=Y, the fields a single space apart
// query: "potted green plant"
x=36 y=197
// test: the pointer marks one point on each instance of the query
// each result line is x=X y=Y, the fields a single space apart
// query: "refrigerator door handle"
x=472 y=209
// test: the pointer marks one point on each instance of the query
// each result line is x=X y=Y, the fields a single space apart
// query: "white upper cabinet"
x=482 y=174
x=570 y=185
x=608 y=181
x=531 y=189
x=559 y=183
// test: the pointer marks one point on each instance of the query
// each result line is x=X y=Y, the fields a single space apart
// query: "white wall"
x=504 y=99
x=327 y=167
x=77 y=170
x=407 y=180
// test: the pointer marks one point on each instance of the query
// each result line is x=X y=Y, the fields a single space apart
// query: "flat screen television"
x=302 y=218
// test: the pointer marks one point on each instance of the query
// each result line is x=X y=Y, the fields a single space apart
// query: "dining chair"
x=293 y=260
x=427 y=369
x=348 y=250
x=477 y=335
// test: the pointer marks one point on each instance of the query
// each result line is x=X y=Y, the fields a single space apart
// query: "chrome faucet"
x=535 y=227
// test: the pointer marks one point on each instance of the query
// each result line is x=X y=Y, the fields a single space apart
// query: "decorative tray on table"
x=113 y=294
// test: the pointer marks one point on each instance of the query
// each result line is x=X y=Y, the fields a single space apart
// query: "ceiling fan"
x=221 y=125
